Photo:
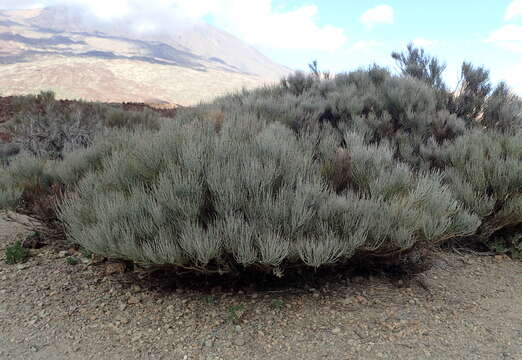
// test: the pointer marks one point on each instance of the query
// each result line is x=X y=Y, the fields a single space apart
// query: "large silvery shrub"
x=257 y=194
x=310 y=172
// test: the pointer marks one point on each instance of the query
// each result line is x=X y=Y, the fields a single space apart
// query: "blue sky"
x=343 y=35
x=452 y=30
x=485 y=32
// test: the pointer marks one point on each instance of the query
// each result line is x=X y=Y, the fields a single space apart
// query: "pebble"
x=62 y=254
x=239 y=341
x=22 y=266
x=336 y=331
x=209 y=343
x=133 y=300
x=360 y=299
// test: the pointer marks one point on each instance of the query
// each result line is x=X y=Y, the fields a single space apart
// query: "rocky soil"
x=465 y=307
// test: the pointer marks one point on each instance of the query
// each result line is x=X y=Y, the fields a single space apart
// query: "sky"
x=343 y=35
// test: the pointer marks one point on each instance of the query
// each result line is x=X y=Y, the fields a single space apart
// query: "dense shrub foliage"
x=45 y=127
x=314 y=171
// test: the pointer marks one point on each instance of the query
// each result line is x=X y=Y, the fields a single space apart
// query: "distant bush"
x=315 y=171
x=45 y=127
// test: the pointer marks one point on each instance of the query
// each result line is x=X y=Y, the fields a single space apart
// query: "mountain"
x=57 y=48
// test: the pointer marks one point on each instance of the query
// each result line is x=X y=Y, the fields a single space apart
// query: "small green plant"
x=210 y=299
x=72 y=260
x=277 y=304
x=86 y=253
x=16 y=253
x=235 y=312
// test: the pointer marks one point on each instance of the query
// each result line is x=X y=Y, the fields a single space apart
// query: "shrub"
x=254 y=195
x=45 y=127
x=311 y=172
x=16 y=253
x=416 y=63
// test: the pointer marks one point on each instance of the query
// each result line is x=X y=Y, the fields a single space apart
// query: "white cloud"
x=20 y=4
x=257 y=22
x=366 y=44
x=513 y=77
x=382 y=14
x=514 y=10
x=508 y=37
x=424 y=43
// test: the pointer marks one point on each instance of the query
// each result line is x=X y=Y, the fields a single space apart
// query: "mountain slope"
x=57 y=48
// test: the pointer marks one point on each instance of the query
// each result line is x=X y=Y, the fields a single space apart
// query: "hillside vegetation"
x=317 y=170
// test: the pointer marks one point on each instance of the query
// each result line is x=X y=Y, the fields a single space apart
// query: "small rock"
x=122 y=307
x=97 y=259
x=361 y=299
x=346 y=301
x=114 y=268
x=336 y=331
x=33 y=241
x=135 y=288
x=122 y=320
x=239 y=341
x=209 y=343
x=133 y=300
x=62 y=254
x=22 y=266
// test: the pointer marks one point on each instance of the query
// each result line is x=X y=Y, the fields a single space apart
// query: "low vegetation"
x=315 y=171
x=48 y=128
x=16 y=253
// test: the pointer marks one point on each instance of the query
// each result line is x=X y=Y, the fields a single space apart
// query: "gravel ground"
x=465 y=307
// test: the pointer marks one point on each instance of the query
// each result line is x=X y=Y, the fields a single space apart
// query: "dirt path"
x=49 y=309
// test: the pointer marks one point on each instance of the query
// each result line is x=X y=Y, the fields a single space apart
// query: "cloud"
x=508 y=37
x=513 y=10
x=382 y=14
x=258 y=22
x=513 y=77
x=20 y=4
